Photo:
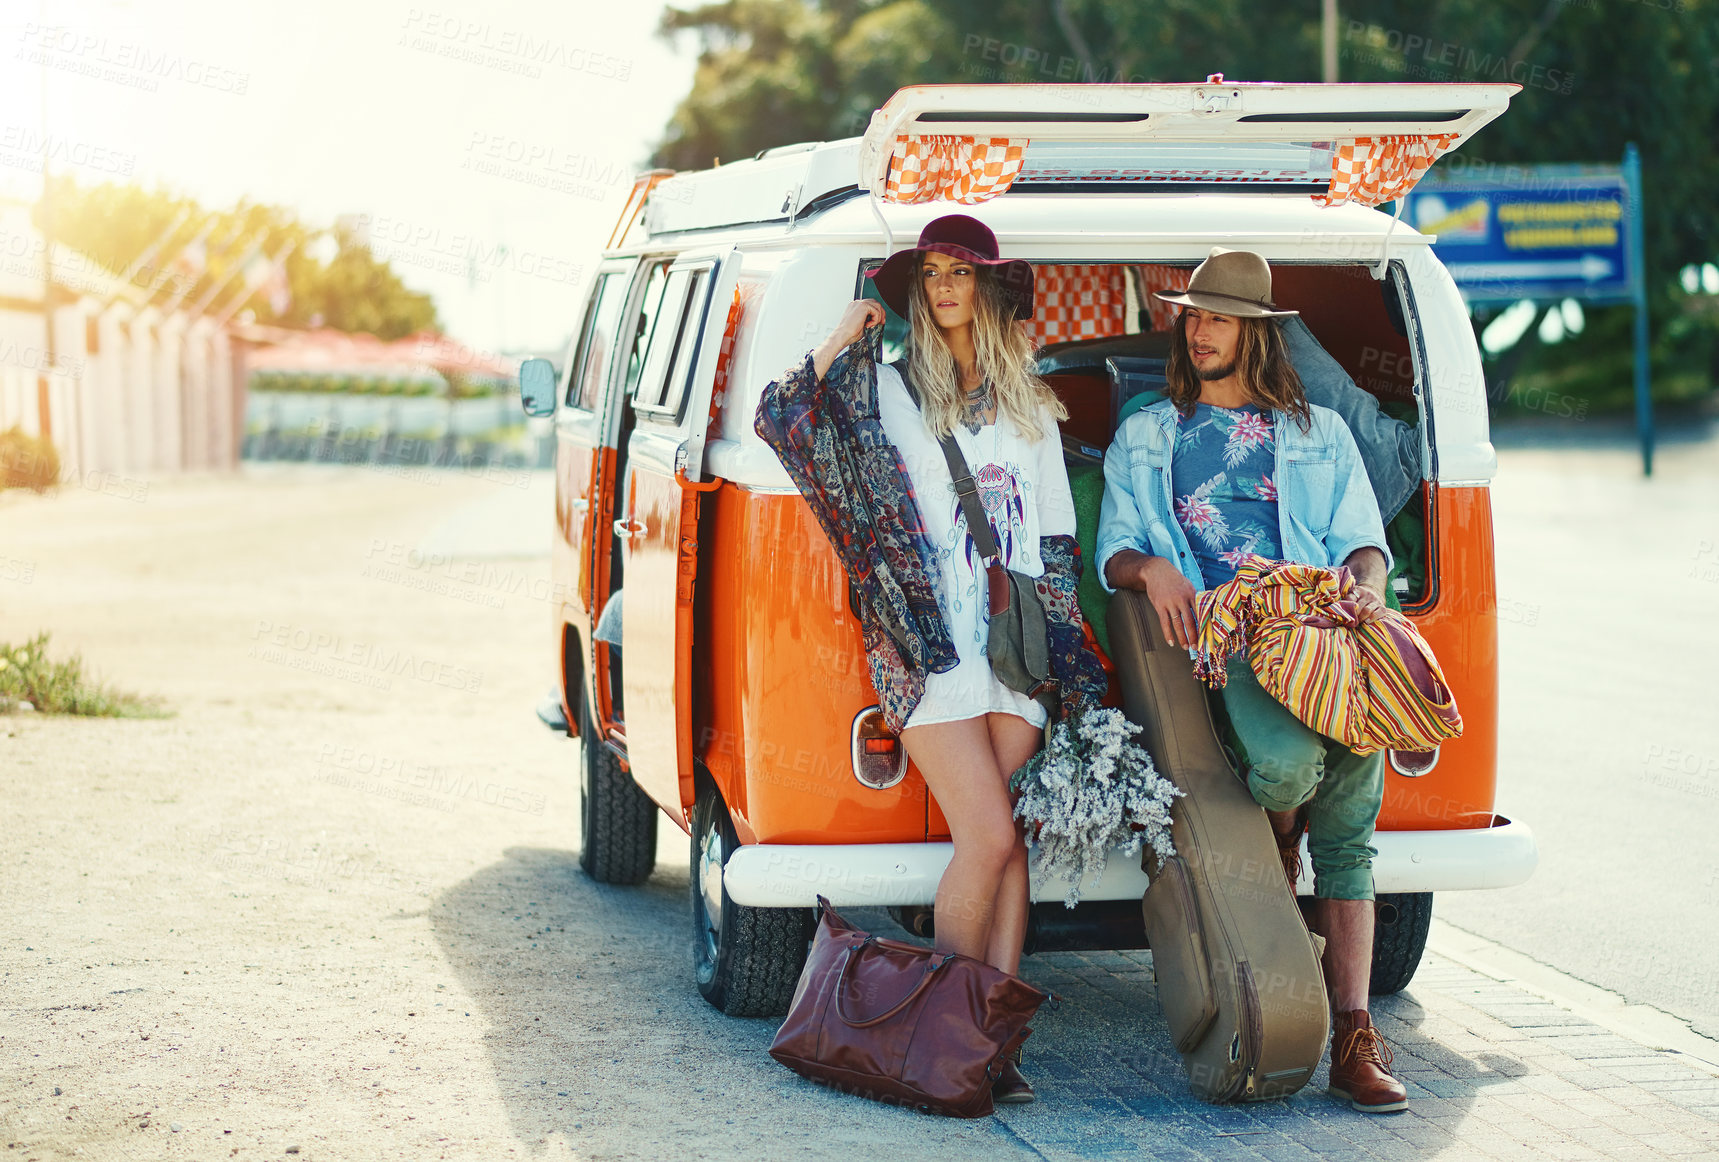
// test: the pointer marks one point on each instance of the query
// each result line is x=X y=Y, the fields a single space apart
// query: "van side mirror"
x=537 y=387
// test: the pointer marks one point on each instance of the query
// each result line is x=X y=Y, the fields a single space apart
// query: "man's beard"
x=1210 y=373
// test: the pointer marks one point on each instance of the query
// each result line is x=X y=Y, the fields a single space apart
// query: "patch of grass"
x=27 y=461
x=26 y=675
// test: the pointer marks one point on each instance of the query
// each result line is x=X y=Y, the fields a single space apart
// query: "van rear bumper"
x=776 y=875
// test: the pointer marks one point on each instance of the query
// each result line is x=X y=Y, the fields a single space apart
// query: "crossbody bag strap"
x=967 y=493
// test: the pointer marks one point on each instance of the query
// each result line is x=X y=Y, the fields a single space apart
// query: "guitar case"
x=1238 y=972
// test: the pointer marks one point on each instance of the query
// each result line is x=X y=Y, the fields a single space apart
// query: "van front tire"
x=617 y=820
x=746 y=961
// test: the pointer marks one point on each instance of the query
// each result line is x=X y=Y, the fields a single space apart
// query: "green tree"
x=117 y=225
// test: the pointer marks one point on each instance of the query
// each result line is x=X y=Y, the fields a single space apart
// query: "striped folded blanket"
x=1370 y=687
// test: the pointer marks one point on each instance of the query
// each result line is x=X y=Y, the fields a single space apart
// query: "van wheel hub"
x=710 y=881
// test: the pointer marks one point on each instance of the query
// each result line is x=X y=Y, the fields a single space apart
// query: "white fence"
x=131 y=392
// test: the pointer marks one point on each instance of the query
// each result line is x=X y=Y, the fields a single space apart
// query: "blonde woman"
x=972 y=365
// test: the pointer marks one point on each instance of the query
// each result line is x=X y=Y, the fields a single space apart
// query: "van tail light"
x=1413 y=763
x=880 y=761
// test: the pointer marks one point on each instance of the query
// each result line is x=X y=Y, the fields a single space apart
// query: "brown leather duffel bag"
x=901 y=1024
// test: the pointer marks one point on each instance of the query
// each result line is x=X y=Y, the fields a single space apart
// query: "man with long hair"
x=1237 y=463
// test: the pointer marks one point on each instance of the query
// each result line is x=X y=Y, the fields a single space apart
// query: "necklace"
x=976 y=406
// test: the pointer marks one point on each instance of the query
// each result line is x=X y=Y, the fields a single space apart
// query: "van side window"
x=686 y=346
x=650 y=305
x=674 y=337
x=590 y=362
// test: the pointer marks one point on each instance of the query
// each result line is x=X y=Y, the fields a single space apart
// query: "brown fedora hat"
x=958 y=236
x=1230 y=282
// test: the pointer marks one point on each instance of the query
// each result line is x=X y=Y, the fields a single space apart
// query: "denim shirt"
x=1325 y=504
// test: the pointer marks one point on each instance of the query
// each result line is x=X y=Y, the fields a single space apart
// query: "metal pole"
x=1328 y=41
x=237 y=304
x=234 y=270
x=1638 y=294
x=50 y=356
x=147 y=255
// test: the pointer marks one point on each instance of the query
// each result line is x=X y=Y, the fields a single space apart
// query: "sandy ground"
x=334 y=902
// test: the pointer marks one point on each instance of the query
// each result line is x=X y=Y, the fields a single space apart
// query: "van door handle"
x=627 y=529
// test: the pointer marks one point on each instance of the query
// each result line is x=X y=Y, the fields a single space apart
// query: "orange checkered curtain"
x=957 y=169
x=1154 y=277
x=1371 y=170
x=1078 y=302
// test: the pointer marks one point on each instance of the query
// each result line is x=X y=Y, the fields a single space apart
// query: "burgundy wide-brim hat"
x=958 y=236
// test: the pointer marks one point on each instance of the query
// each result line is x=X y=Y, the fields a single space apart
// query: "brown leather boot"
x=1289 y=849
x=1359 y=1057
x=1011 y=1088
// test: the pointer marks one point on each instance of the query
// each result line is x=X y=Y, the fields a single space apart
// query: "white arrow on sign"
x=1589 y=268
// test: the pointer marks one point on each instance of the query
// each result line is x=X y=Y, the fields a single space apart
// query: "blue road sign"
x=1532 y=232
x=1545 y=232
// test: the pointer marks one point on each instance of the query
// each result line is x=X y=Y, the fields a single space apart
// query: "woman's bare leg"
x=1014 y=740
x=961 y=769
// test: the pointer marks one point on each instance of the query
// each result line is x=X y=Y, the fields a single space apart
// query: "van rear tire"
x=746 y=961
x=1400 y=926
x=617 y=820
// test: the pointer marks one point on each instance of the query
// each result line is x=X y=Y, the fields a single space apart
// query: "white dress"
x=1023 y=486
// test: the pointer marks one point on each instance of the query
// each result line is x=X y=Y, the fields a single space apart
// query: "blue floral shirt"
x=1225 y=498
x=1325 y=504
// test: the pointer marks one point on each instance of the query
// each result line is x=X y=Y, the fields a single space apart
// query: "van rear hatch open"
x=1087 y=138
x=1082 y=139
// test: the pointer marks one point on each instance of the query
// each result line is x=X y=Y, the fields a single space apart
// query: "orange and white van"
x=710 y=664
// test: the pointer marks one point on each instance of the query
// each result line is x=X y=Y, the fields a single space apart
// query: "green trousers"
x=1288 y=763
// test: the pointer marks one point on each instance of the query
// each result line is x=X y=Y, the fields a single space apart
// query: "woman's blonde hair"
x=1005 y=357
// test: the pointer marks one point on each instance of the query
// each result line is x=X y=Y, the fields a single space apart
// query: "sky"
x=487 y=147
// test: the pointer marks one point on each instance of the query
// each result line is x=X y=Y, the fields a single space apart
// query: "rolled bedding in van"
x=1390 y=449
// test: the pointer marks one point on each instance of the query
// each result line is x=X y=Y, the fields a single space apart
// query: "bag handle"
x=967 y=492
x=932 y=964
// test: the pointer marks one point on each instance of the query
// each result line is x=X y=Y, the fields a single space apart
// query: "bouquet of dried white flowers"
x=1089 y=789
